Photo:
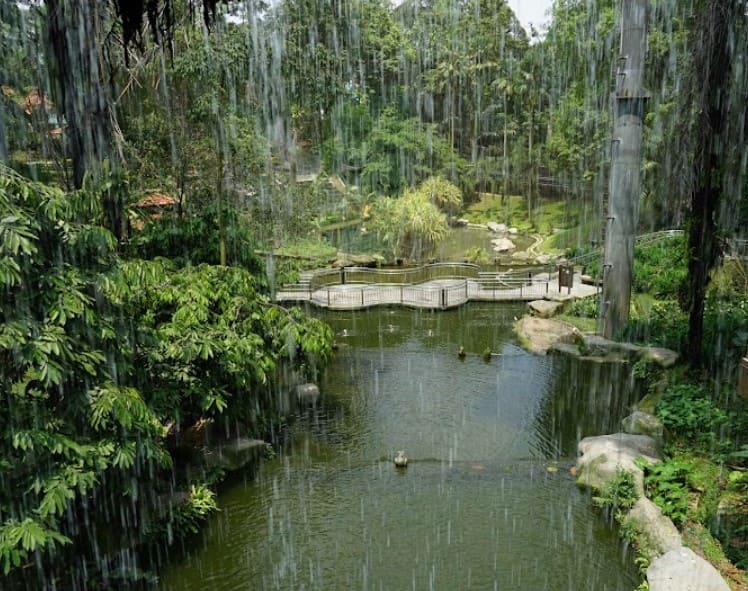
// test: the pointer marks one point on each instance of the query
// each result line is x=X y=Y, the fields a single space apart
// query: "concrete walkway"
x=438 y=294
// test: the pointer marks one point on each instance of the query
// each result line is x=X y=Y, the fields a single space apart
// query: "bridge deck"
x=439 y=294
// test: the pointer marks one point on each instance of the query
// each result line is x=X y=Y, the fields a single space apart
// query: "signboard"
x=565 y=276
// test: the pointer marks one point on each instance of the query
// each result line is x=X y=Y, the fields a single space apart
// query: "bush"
x=689 y=414
x=666 y=325
x=666 y=484
x=583 y=308
x=660 y=269
x=619 y=494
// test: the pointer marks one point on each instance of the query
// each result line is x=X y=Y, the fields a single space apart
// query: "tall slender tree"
x=720 y=131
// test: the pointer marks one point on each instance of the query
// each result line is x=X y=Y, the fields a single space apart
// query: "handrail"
x=411 y=275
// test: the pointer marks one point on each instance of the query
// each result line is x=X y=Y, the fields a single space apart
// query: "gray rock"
x=600 y=347
x=601 y=456
x=502 y=244
x=513 y=231
x=496 y=227
x=663 y=357
x=642 y=423
x=563 y=348
x=234 y=454
x=544 y=308
x=683 y=570
x=307 y=393
x=658 y=533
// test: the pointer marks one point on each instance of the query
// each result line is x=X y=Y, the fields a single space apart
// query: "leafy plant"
x=619 y=494
x=666 y=484
x=687 y=412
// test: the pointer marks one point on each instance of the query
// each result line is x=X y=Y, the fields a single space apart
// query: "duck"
x=461 y=353
x=401 y=460
x=487 y=354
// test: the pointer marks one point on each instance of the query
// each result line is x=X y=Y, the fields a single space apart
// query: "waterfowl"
x=401 y=460
x=487 y=354
x=461 y=353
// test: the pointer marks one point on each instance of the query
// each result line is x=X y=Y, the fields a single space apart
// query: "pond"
x=487 y=500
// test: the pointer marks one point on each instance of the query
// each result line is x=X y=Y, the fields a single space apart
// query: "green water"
x=487 y=501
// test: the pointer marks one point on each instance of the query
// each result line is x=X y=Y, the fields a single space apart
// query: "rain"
x=362 y=294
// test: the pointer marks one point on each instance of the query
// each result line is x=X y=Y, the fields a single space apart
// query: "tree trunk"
x=82 y=90
x=625 y=171
x=3 y=141
x=711 y=78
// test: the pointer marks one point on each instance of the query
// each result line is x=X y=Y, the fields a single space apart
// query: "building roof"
x=156 y=200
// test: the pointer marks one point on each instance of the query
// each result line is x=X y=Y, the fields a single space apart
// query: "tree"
x=719 y=127
x=413 y=224
x=70 y=426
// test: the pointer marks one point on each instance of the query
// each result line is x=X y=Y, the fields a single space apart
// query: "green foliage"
x=619 y=494
x=664 y=325
x=660 y=269
x=665 y=483
x=411 y=226
x=97 y=356
x=187 y=516
x=690 y=415
x=583 y=308
x=193 y=239
x=477 y=255
x=208 y=342
x=66 y=424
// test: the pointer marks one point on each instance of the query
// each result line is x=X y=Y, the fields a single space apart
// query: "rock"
x=502 y=244
x=521 y=257
x=642 y=423
x=234 y=454
x=658 y=532
x=683 y=570
x=513 y=231
x=563 y=348
x=663 y=357
x=598 y=346
x=307 y=393
x=538 y=334
x=544 y=308
x=543 y=259
x=601 y=456
x=496 y=228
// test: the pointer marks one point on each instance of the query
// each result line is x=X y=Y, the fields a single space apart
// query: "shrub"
x=619 y=494
x=665 y=483
x=689 y=414
x=583 y=308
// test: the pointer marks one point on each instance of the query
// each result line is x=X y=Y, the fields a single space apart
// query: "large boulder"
x=656 y=531
x=683 y=570
x=600 y=457
x=538 y=334
x=502 y=244
x=496 y=227
x=544 y=308
x=663 y=357
x=597 y=346
x=642 y=423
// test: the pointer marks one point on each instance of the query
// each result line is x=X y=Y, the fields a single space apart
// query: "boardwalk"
x=438 y=294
